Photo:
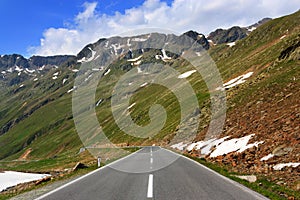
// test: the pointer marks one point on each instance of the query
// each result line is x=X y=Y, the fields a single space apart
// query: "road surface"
x=153 y=173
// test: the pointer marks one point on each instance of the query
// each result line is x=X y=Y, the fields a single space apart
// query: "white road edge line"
x=90 y=173
x=150 y=186
x=242 y=187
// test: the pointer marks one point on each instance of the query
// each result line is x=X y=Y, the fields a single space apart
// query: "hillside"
x=37 y=116
x=266 y=105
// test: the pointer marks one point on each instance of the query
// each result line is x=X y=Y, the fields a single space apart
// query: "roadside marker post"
x=99 y=161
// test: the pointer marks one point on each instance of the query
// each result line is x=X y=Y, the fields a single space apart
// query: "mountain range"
x=259 y=65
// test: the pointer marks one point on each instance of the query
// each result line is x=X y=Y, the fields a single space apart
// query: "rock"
x=298 y=186
x=48 y=178
x=81 y=150
x=79 y=165
x=249 y=178
x=281 y=150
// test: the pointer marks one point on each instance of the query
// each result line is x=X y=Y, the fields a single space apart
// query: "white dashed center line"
x=150 y=186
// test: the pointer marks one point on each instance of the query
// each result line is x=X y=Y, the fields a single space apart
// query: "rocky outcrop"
x=221 y=36
x=200 y=38
x=34 y=62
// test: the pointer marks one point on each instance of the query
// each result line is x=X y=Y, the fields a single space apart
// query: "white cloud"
x=182 y=15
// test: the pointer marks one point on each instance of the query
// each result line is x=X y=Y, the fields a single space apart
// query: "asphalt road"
x=153 y=173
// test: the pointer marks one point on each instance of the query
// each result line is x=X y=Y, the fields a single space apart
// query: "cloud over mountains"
x=181 y=15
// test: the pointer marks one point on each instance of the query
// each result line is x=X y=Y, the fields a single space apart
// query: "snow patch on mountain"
x=234 y=145
x=84 y=59
x=280 y=166
x=130 y=106
x=267 y=157
x=236 y=81
x=144 y=84
x=41 y=68
x=282 y=37
x=139 y=70
x=116 y=47
x=128 y=42
x=218 y=147
x=71 y=90
x=88 y=78
x=135 y=59
x=64 y=80
x=107 y=72
x=164 y=57
x=55 y=74
x=180 y=146
x=10 y=70
x=30 y=70
x=251 y=28
x=17 y=68
x=98 y=102
x=231 y=44
x=186 y=74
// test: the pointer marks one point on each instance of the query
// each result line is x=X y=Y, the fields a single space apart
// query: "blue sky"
x=49 y=27
x=24 y=21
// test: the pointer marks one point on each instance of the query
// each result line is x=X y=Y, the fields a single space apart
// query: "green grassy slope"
x=49 y=128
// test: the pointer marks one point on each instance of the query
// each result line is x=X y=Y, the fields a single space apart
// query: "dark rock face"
x=8 y=61
x=38 y=61
x=221 y=36
x=34 y=62
x=200 y=38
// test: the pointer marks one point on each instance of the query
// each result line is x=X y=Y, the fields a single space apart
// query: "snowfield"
x=234 y=145
x=11 y=178
x=283 y=165
x=180 y=146
x=221 y=146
